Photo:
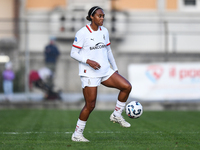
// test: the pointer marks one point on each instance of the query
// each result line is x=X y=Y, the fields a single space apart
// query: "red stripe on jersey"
x=89 y=28
x=77 y=46
x=108 y=44
x=100 y=28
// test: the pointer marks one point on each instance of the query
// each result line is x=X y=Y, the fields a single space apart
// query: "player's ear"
x=91 y=17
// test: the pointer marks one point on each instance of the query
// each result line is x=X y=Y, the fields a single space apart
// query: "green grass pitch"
x=52 y=130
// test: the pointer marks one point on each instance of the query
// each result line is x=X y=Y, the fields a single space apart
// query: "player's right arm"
x=75 y=54
x=76 y=48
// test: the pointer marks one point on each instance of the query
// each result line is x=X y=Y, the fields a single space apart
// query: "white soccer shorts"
x=95 y=81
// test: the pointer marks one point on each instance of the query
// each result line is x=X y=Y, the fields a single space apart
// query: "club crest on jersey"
x=75 y=39
x=99 y=45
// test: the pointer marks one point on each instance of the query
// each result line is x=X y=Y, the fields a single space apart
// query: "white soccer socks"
x=80 y=126
x=116 y=116
x=77 y=136
x=119 y=108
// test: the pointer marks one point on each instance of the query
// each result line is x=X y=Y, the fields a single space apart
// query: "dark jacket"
x=51 y=53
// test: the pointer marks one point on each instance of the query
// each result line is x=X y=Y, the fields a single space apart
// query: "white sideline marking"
x=54 y=132
x=98 y=132
x=35 y=132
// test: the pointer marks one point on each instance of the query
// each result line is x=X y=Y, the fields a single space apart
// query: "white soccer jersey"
x=93 y=46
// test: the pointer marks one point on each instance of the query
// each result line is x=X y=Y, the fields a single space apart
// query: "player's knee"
x=128 y=87
x=91 y=106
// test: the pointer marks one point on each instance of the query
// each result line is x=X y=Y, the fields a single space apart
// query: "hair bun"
x=88 y=18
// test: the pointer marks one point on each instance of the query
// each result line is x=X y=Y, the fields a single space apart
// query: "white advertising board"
x=165 y=81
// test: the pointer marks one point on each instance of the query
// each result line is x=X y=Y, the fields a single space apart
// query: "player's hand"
x=95 y=65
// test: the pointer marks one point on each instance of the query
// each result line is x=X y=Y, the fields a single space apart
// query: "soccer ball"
x=134 y=109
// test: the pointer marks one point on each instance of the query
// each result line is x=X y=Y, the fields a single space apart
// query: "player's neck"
x=94 y=27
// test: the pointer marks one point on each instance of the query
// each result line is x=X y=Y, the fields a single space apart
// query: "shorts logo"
x=89 y=82
x=85 y=71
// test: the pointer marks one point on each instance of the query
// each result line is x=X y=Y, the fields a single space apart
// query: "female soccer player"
x=91 y=48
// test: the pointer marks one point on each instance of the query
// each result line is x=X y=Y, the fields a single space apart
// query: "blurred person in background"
x=8 y=77
x=39 y=78
x=91 y=48
x=51 y=54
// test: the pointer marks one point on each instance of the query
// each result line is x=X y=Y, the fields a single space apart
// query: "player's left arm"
x=111 y=58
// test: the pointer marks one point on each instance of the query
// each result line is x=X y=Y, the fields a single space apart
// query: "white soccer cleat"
x=79 y=138
x=119 y=120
